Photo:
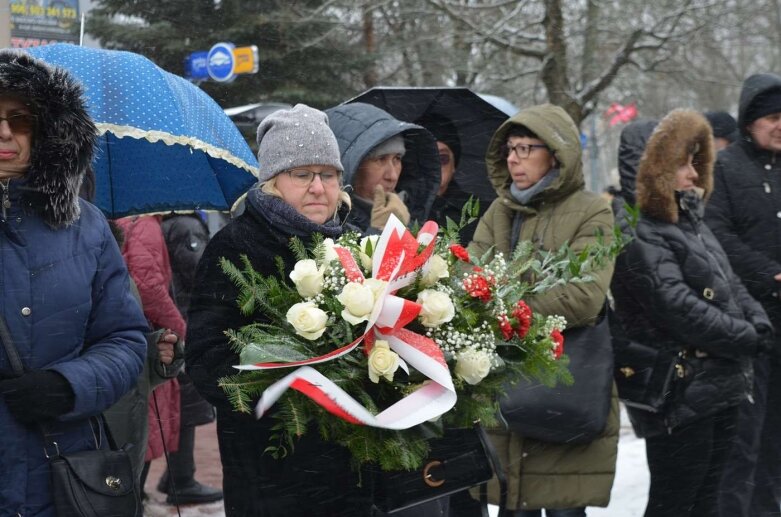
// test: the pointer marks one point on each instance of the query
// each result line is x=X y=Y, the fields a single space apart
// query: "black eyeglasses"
x=444 y=159
x=22 y=123
x=304 y=177
x=522 y=151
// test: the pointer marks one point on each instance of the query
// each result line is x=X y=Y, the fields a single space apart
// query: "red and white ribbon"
x=395 y=260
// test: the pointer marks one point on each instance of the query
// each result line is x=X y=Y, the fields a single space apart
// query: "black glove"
x=766 y=341
x=37 y=396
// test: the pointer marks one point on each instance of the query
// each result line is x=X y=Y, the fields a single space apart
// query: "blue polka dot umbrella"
x=165 y=144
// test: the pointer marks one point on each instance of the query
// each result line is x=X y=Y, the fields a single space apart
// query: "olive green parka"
x=541 y=474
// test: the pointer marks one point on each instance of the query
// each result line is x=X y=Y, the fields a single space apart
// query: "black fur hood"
x=64 y=139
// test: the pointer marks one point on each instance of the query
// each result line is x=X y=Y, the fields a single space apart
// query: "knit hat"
x=763 y=104
x=444 y=131
x=393 y=145
x=294 y=138
x=723 y=125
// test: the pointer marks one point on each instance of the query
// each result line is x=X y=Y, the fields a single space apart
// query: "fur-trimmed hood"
x=63 y=142
x=668 y=148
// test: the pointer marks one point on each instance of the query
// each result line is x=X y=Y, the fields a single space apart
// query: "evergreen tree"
x=305 y=55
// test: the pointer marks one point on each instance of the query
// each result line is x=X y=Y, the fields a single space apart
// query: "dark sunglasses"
x=23 y=123
x=444 y=159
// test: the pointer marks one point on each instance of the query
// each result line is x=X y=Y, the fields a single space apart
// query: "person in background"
x=147 y=260
x=392 y=166
x=744 y=214
x=675 y=291
x=186 y=236
x=724 y=126
x=450 y=197
x=65 y=294
x=534 y=163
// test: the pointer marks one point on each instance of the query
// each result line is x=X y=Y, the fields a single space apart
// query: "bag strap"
x=496 y=464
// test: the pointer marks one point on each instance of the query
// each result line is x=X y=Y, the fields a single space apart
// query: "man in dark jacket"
x=745 y=215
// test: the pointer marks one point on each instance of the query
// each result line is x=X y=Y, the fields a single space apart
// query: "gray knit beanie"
x=294 y=138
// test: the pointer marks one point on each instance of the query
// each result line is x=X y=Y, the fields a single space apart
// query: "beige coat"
x=540 y=474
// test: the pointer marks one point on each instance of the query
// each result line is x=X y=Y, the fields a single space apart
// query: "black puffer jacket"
x=673 y=285
x=745 y=210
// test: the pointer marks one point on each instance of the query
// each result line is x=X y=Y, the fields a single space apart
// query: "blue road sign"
x=220 y=62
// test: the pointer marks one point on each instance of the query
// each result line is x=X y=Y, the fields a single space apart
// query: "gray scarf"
x=526 y=195
x=284 y=217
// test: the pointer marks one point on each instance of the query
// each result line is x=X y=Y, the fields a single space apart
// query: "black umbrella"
x=438 y=109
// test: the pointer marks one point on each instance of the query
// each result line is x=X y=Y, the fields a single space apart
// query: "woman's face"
x=686 y=175
x=381 y=170
x=315 y=199
x=16 y=135
x=527 y=170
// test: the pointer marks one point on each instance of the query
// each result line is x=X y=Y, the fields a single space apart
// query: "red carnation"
x=505 y=327
x=523 y=315
x=478 y=286
x=558 y=343
x=459 y=252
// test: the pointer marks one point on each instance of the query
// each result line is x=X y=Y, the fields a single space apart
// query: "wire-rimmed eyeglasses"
x=305 y=177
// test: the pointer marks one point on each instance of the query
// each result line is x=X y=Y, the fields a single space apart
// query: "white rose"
x=366 y=254
x=330 y=253
x=358 y=301
x=437 y=308
x=308 y=320
x=434 y=269
x=472 y=365
x=307 y=277
x=383 y=362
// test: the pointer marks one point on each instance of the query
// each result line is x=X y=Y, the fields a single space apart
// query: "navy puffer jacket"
x=64 y=288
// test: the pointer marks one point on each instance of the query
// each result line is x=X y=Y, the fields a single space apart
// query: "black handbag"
x=461 y=459
x=567 y=414
x=704 y=385
x=644 y=374
x=94 y=483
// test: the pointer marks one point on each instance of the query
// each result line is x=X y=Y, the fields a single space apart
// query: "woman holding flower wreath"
x=534 y=163
x=299 y=194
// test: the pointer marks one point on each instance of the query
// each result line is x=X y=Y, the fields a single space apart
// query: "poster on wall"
x=39 y=22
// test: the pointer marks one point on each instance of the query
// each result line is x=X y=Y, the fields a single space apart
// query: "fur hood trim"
x=668 y=149
x=64 y=139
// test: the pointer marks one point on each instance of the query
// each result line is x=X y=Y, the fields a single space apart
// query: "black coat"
x=745 y=214
x=450 y=205
x=745 y=209
x=316 y=478
x=674 y=289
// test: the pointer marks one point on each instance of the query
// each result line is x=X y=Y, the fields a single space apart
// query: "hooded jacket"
x=65 y=291
x=359 y=128
x=540 y=474
x=673 y=286
x=744 y=211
